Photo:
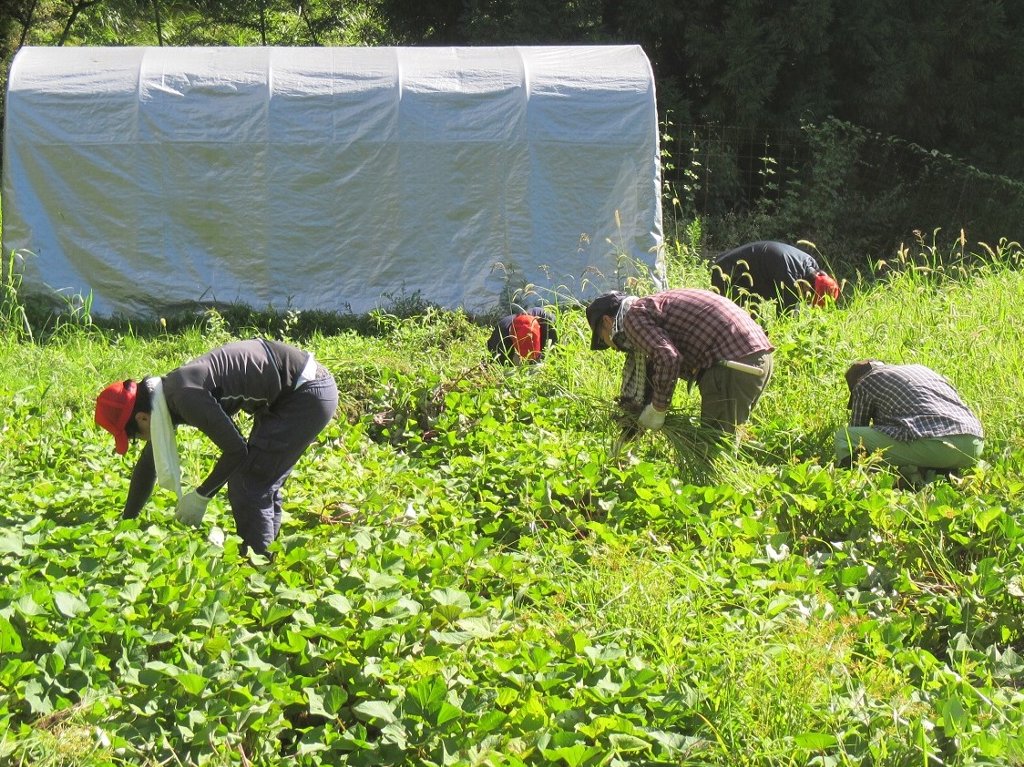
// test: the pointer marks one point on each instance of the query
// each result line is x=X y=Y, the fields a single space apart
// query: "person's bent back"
x=911 y=415
x=522 y=338
x=772 y=271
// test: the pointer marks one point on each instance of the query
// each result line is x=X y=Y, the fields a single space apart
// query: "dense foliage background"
x=847 y=124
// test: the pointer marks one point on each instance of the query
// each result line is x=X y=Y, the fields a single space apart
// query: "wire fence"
x=839 y=185
x=723 y=167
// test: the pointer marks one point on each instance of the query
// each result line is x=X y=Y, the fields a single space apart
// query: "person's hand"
x=191 y=508
x=629 y=406
x=651 y=418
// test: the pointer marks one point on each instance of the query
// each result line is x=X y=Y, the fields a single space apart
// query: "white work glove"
x=651 y=418
x=191 y=509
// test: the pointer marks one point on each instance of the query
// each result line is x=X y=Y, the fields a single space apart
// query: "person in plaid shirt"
x=687 y=334
x=912 y=415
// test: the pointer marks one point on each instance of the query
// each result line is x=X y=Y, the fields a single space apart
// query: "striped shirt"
x=684 y=332
x=909 y=402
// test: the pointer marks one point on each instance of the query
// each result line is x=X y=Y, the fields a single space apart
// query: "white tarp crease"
x=329 y=178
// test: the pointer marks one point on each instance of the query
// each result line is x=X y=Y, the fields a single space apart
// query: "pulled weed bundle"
x=696 y=447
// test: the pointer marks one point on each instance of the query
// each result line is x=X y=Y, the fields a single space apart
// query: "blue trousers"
x=278 y=439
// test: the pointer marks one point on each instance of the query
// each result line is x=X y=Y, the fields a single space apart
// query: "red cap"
x=526 y=332
x=824 y=286
x=114 y=409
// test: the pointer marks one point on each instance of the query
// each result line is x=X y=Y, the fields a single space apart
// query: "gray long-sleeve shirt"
x=205 y=393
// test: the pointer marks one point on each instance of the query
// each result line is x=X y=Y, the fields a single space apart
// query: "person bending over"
x=912 y=415
x=523 y=337
x=688 y=334
x=290 y=396
x=773 y=271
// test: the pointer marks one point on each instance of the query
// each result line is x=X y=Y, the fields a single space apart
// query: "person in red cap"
x=290 y=396
x=773 y=271
x=523 y=337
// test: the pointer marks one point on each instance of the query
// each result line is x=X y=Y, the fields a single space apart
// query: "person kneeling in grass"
x=290 y=396
x=522 y=338
x=912 y=415
x=695 y=335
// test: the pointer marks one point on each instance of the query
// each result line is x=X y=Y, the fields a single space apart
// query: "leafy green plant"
x=465 y=574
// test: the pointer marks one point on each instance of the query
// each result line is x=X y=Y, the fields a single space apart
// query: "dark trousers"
x=278 y=439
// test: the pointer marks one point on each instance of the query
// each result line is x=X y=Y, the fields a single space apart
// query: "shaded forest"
x=849 y=124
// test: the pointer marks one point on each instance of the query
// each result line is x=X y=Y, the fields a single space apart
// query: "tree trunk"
x=159 y=29
x=313 y=35
x=26 y=23
x=76 y=8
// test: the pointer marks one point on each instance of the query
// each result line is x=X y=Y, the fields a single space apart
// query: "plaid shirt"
x=684 y=332
x=911 y=402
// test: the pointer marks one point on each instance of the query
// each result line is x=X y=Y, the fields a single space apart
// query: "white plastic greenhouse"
x=328 y=178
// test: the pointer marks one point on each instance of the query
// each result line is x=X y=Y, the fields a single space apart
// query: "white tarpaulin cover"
x=328 y=178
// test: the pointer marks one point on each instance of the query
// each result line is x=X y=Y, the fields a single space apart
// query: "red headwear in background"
x=824 y=286
x=526 y=334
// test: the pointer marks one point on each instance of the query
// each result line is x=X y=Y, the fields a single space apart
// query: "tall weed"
x=13 y=318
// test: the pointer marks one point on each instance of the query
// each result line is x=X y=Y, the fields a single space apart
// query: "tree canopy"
x=937 y=74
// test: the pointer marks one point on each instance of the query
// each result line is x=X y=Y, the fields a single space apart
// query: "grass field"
x=465 y=576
